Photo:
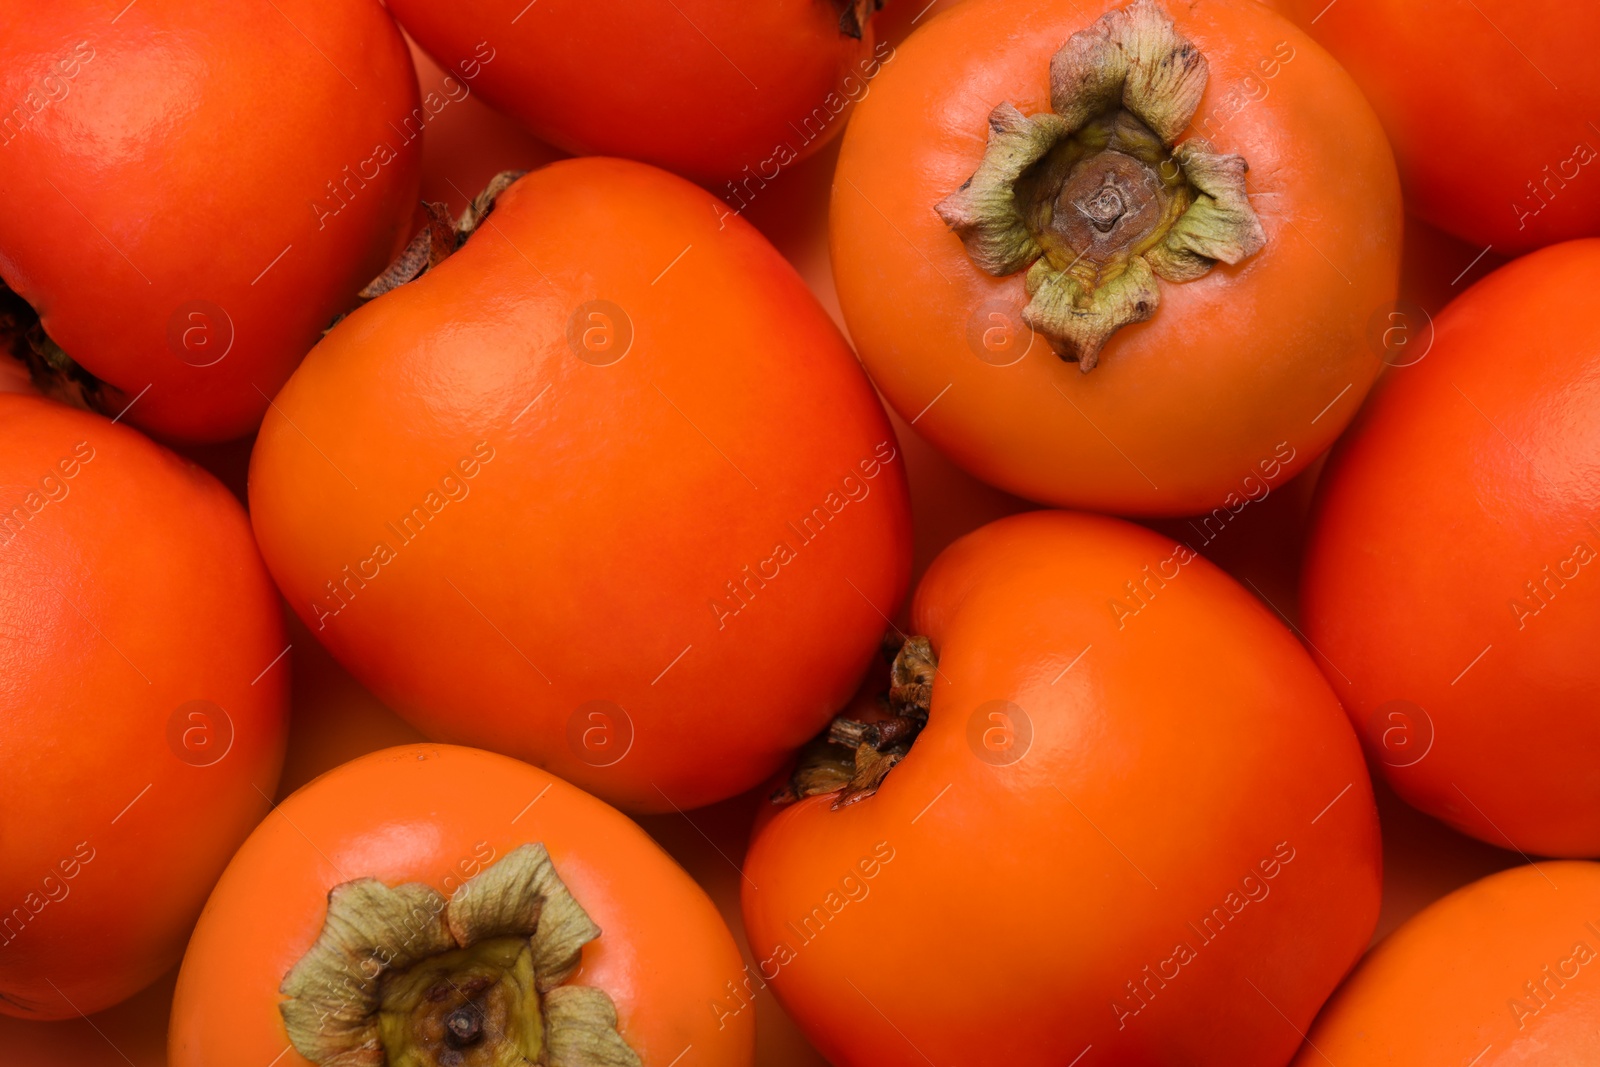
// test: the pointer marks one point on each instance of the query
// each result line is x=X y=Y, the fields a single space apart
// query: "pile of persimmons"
x=696 y=533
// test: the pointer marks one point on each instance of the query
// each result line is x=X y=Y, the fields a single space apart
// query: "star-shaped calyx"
x=1095 y=198
x=402 y=976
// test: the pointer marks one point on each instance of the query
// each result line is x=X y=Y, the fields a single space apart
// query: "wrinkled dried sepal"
x=437 y=240
x=1134 y=56
x=483 y=203
x=1079 y=322
x=333 y=990
x=430 y=247
x=369 y=985
x=522 y=894
x=821 y=768
x=852 y=757
x=872 y=767
x=1220 y=225
x=911 y=678
x=583 y=1030
x=984 y=212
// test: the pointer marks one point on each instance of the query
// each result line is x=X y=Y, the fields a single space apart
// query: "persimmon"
x=144 y=708
x=1522 y=68
x=182 y=237
x=438 y=905
x=604 y=490
x=1096 y=287
x=724 y=92
x=1447 y=586
x=1111 y=806
x=131 y=1034
x=1493 y=974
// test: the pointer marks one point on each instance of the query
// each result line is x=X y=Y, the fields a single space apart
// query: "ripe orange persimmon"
x=716 y=90
x=1495 y=974
x=192 y=193
x=144 y=706
x=1523 y=69
x=1450 y=582
x=133 y=1032
x=1210 y=246
x=1136 y=826
x=605 y=490
x=452 y=863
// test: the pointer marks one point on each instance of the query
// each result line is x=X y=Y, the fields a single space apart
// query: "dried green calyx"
x=853 y=757
x=1095 y=198
x=403 y=977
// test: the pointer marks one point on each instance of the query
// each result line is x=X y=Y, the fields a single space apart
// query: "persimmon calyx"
x=402 y=976
x=853 y=19
x=53 y=372
x=439 y=238
x=852 y=757
x=1095 y=199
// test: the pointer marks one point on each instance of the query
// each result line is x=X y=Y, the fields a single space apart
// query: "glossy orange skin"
x=1519 y=72
x=1489 y=975
x=131 y=588
x=1181 y=752
x=184 y=150
x=705 y=88
x=1183 y=408
x=436 y=814
x=1472 y=472
x=584 y=560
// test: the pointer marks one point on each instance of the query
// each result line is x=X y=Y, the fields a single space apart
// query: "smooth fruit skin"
x=437 y=814
x=604 y=528
x=129 y=588
x=192 y=194
x=1448 y=563
x=715 y=90
x=993 y=912
x=1495 y=974
x=1183 y=408
x=1521 y=71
